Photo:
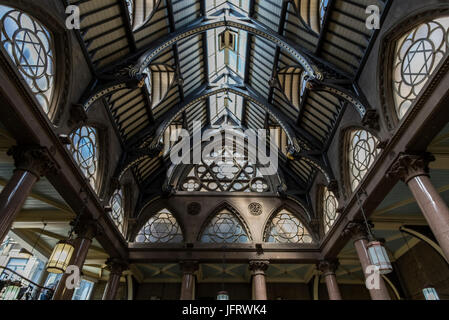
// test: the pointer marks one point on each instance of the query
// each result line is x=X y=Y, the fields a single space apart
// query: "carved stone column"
x=360 y=237
x=258 y=268
x=116 y=268
x=86 y=231
x=414 y=171
x=31 y=162
x=328 y=269
x=188 y=279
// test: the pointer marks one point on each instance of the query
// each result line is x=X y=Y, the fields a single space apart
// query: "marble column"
x=188 y=279
x=258 y=268
x=116 y=268
x=414 y=171
x=86 y=231
x=328 y=268
x=31 y=162
x=359 y=235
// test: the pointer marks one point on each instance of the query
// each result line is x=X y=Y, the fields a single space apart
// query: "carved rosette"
x=258 y=267
x=34 y=159
x=189 y=267
x=328 y=267
x=356 y=230
x=116 y=266
x=409 y=166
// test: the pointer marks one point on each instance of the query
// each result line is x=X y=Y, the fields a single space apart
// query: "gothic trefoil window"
x=224 y=228
x=84 y=149
x=30 y=46
x=284 y=227
x=417 y=55
x=361 y=155
x=161 y=228
x=330 y=206
x=117 y=209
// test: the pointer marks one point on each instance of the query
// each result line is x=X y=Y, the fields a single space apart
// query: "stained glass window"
x=285 y=227
x=224 y=228
x=161 y=228
x=30 y=46
x=361 y=155
x=84 y=149
x=117 y=213
x=417 y=56
x=234 y=173
x=330 y=206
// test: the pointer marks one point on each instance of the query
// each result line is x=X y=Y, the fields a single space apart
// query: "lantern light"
x=60 y=257
x=430 y=293
x=222 y=295
x=12 y=290
x=379 y=257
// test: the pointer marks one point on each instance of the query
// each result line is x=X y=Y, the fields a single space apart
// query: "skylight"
x=213 y=6
x=226 y=105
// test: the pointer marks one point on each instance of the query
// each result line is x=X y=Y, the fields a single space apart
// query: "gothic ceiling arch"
x=176 y=34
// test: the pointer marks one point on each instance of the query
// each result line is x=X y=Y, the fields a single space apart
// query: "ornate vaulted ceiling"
x=273 y=38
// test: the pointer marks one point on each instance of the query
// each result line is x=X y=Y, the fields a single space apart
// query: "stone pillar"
x=258 y=268
x=328 y=269
x=414 y=171
x=116 y=268
x=31 y=162
x=86 y=231
x=360 y=238
x=188 y=279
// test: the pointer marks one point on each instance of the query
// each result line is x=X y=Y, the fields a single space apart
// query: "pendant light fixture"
x=12 y=289
x=63 y=251
x=376 y=250
x=223 y=294
x=429 y=291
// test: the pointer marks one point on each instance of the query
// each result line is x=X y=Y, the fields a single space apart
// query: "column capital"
x=328 y=267
x=356 y=230
x=409 y=166
x=35 y=159
x=189 y=267
x=117 y=265
x=258 y=266
x=86 y=228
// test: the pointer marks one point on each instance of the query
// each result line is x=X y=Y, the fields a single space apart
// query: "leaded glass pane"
x=224 y=228
x=84 y=149
x=330 y=206
x=362 y=153
x=417 y=56
x=233 y=173
x=161 y=228
x=286 y=228
x=30 y=46
x=117 y=212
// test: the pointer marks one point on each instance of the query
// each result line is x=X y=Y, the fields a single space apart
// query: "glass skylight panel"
x=225 y=104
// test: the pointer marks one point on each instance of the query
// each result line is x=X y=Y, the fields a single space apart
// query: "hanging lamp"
x=223 y=294
x=429 y=291
x=376 y=250
x=63 y=251
x=12 y=289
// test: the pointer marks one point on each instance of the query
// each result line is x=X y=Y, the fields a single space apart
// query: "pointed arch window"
x=159 y=81
x=118 y=212
x=362 y=153
x=418 y=53
x=285 y=227
x=312 y=13
x=30 y=46
x=84 y=149
x=161 y=228
x=224 y=227
x=330 y=206
x=141 y=11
